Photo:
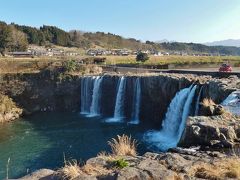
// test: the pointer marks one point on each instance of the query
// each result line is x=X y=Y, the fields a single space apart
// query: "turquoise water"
x=40 y=141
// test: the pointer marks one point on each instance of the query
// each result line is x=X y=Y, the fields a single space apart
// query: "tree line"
x=14 y=37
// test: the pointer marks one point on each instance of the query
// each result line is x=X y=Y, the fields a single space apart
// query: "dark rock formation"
x=215 y=131
x=42 y=91
x=51 y=90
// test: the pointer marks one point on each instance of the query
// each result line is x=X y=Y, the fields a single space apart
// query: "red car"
x=225 y=68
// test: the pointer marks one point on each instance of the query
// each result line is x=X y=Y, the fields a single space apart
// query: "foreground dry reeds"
x=219 y=170
x=70 y=170
x=121 y=146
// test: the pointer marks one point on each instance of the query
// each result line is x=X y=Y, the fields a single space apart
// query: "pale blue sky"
x=180 y=20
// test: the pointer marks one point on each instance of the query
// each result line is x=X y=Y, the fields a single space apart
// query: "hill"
x=14 y=37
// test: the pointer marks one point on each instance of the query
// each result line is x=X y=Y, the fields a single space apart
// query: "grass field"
x=177 y=60
x=8 y=64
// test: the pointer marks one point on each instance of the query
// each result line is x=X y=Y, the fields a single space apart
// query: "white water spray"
x=232 y=103
x=119 y=104
x=86 y=94
x=136 y=102
x=96 y=97
x=174 y=123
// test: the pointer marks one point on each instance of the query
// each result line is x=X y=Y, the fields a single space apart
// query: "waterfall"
x=232 y=103
x=174 y=123
x=86 y=94
x=136 y=102
x=119 y=104
x=95 y=105
x=198 y=102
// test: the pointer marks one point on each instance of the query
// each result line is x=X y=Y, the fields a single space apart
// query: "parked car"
x=225 y=68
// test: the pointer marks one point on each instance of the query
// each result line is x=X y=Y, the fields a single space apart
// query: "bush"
x=123 y=146
x=120 y=163
x=142 y=57
x=70 y=66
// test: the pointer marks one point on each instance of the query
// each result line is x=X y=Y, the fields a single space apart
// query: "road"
x=198 y=71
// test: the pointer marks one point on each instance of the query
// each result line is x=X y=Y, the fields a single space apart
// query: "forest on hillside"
x=14 y=37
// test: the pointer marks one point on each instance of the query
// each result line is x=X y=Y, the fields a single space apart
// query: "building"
x=21 y=54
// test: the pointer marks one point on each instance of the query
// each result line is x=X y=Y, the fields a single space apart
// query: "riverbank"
x=176 y=165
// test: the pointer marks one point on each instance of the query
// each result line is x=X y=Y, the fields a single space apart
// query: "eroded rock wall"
x=51 y=91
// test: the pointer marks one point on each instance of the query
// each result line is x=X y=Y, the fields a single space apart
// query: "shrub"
x=123 y=146
x=142 y=57
x=120 y=163
x=70 y=66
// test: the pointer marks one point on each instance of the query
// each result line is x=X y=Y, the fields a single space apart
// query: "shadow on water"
x=40 y=140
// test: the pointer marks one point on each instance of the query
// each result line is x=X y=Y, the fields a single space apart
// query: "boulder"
x=215 y=131
x=42 y=174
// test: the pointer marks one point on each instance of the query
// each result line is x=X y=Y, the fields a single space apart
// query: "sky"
x=177 y=20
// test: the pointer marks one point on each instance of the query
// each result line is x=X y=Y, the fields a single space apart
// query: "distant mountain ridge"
x=227 y=42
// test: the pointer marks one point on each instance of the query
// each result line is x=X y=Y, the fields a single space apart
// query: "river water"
x=42 y=140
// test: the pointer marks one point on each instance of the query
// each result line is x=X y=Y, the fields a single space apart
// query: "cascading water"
x=86 y=94
x=198 y=102
x=136 y=102
x=232 y=103
x=119 y=104
x=174 y=122
x=95 y=105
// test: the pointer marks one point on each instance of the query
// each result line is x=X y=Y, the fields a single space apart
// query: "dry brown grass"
x=6 y=104
x=107 y=156
x=208 y=102
x=123 y=146
x=95 y=170
x=70 y=171
x=220 y=170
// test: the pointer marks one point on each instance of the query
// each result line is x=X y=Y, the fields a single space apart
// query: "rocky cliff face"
x=213 y=131
x=42 y=92
x=53 y=91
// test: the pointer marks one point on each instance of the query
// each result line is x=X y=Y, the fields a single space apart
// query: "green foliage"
x=120 y=163
x=70 y=66
x=142 y=57
x=5 y=35
x=11 y=39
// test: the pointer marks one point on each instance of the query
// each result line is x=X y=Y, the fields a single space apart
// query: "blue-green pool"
x=41 y=140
